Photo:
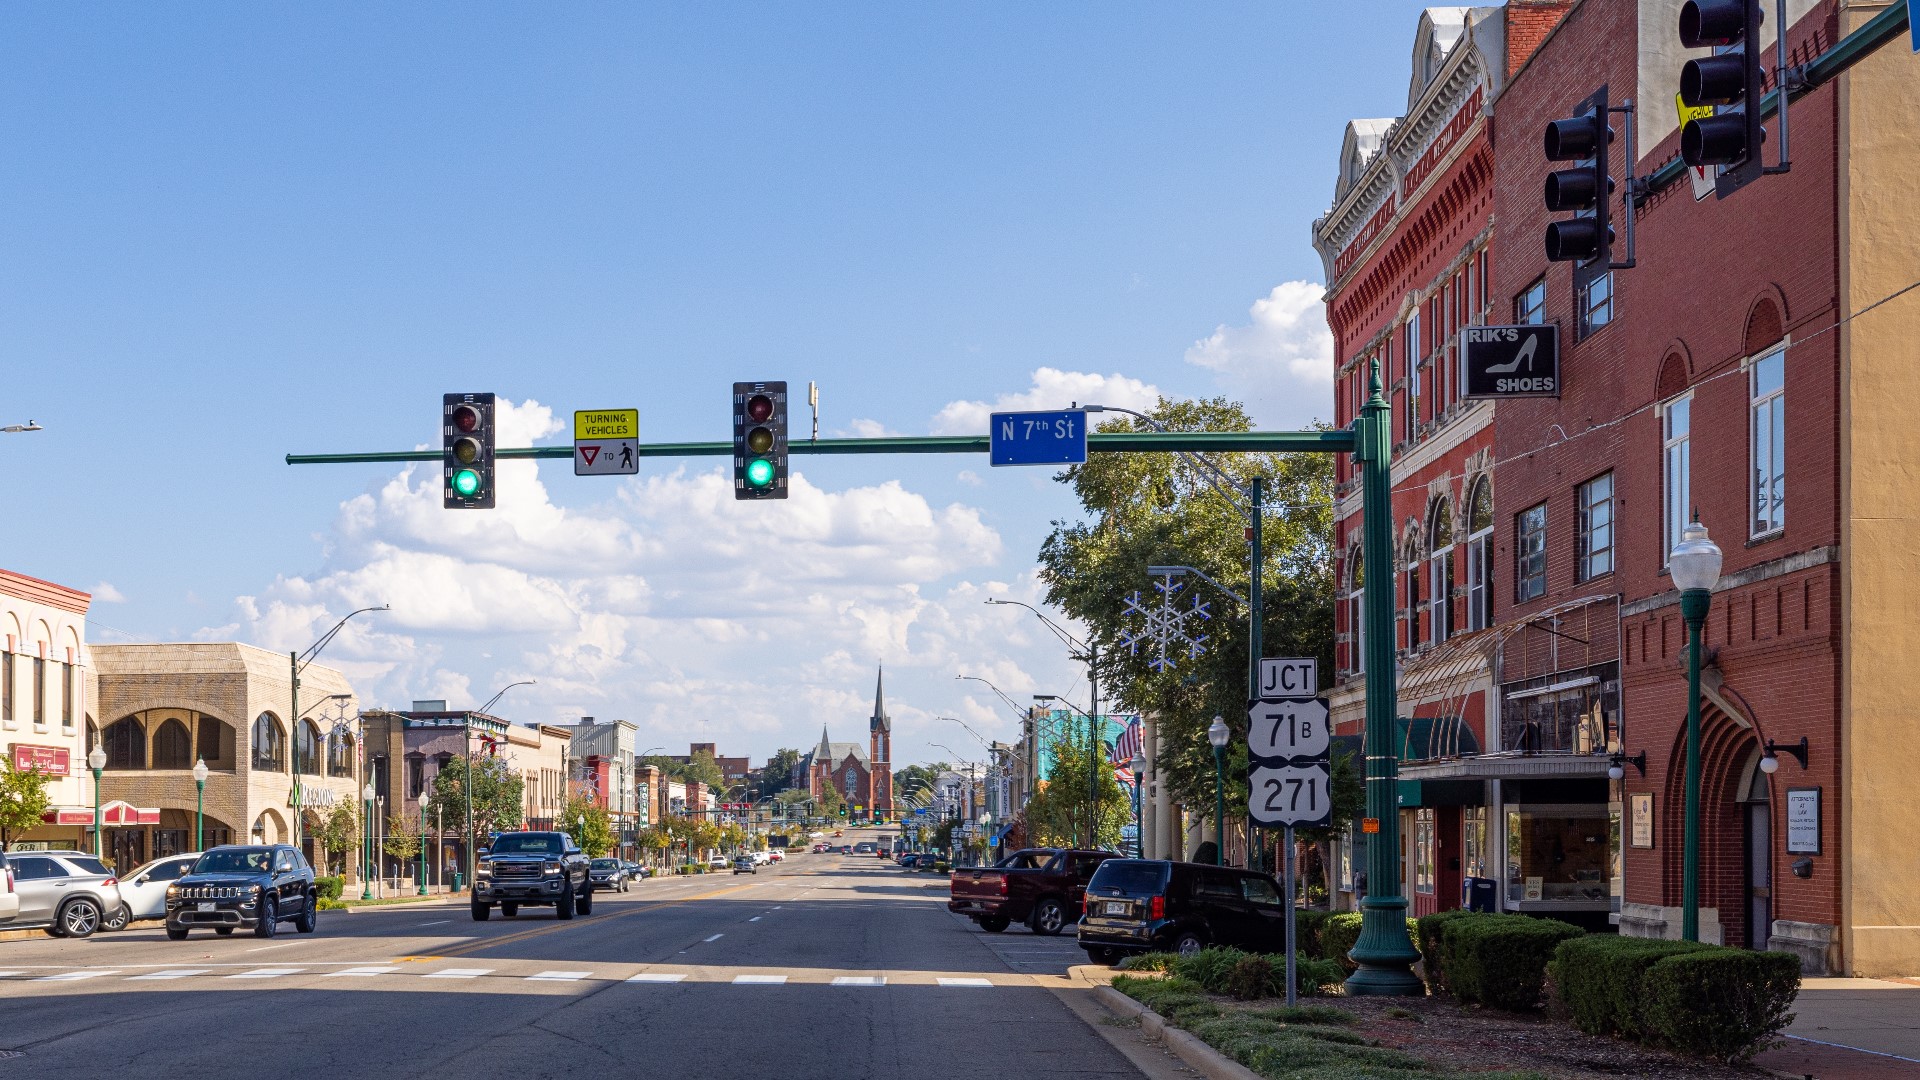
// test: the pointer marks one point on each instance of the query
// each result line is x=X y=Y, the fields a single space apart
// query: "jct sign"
x=1510 y=361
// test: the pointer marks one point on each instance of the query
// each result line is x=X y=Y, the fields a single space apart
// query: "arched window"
x=1412 y=570
x=269 y=744
x=1480 y=556
x=306 y=748
x=340 y=755
x=125 y=742
x=172 y=746
x=1440 y=542
x=1357 y=606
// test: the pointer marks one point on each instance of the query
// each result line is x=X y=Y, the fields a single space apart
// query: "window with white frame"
x=1480 y=556
x=1530 y=554
x=1596 y=303
x=1530 y=307
x=6 y=689
x=1357 y=609
x=1595 y=537
x=1440 y=563
x=1415 y=361
x=1676 y=461
x=1414 y=599
x=1768 y=407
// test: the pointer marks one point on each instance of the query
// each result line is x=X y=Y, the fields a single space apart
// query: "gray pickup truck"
x=532 y=869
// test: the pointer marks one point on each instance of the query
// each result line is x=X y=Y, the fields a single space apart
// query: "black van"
x=1153 y=905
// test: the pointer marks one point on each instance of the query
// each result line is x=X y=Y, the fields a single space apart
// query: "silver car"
x=9 y=899
x=144 y=892
x=71 y=893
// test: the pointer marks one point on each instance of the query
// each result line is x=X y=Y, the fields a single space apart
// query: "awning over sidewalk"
x=116 y=813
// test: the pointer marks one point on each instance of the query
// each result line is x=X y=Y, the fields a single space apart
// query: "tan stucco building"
x=46 y=689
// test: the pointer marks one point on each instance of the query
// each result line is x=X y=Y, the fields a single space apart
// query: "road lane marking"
x=361 y=971
x=264 y=948
x=638 y=909
x=559 y=976
x=175 y=973
x=756 y=918
x=265 y=973
x=10 y=974
x=964 y=982
x=713 y=939
x=759 y=980
x=71 y=976
x=458 y=973
x=436 y=922
x=860 y=980
x=658 y=977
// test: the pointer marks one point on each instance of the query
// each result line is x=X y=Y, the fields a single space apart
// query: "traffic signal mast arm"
x=1123 y=442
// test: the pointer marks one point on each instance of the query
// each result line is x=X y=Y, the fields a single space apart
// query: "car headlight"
x=173 y=892
x=485 y=869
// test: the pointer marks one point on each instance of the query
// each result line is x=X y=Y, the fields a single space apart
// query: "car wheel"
x=482 y=911
x=1049 y=916
x=78 y=917
x=585 y=904
x=309 y=919
x=563 y=907
x=223 y=931
x=993 y=924
x=121 y=916
x=269 y=924
x=176 y=933
x=1188 y=943
x=509 y=910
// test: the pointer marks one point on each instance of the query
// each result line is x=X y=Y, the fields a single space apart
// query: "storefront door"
x=1759 y=874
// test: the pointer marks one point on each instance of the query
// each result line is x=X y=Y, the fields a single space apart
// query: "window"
x=1768 y=405
x=1676 y=458
x=1440 y=542
x=126 y=744
x=1415 y=361
x=1413 y=594
x=340 y=755
x=1530 y=555
x=206 y=739
x=172 y=746
x=1596 y=304
x=1480 y=556
x=306 y=748
x=1563 y=854
x=34 y=868
x=1473 y=840
x=1423 y=850
x=6 y=688
x=68 y=673
x=1259 y=890
x=1595 y=555
x=1531 y=305
x=269 y=744
x=39 y=692
x=416 y=775
x=1356 y=609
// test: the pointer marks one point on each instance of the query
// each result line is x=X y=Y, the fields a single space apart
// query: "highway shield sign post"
x=1038 y=438
x=606 y=442
x=1289 y=763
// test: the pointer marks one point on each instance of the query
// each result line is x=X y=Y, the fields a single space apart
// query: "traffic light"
x=1729 y=81
x=760 y=440
x=1586 y=189
x=467 y=448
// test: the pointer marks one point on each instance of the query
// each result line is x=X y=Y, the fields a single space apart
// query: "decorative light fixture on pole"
x=297 y=662
x=366 y=844
x=97 y=761
x=1088 y=651
x=1218 y=734
x=1695 y=565
x=199 y=804
x=1139 y=767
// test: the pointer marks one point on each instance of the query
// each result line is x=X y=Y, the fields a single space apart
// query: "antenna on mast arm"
x=813 y=399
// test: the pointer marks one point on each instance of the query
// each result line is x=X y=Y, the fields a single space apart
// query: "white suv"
x=9 y=899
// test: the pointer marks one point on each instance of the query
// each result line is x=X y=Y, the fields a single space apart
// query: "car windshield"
x=1129 y=877
x=526 y=844
x=606 y=864
x=249 y=860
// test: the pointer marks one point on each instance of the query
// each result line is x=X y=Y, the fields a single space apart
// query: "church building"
x=863 y=776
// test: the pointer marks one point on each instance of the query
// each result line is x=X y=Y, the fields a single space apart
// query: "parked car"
x=776 y=855
x=609 y=875
x=143 y=893
x=9 y=899
x=718 y=862
x=634 y=870
x=1041 y=887
x=70 y=893
x=532 y=869
x=762 y=858
x=745 y=864
x=244 y=886
x=865 y=847
x=1153 y=905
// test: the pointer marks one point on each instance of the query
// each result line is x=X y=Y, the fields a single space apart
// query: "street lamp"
x=1695 y=565
x=366 y=844
x=30 y=425
x=97 y=761
x=1139 y=767
x=199 y=804
x=1217 y=734
x=295 y=663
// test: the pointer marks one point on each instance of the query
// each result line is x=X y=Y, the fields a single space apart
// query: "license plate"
x=1119 y=909
x=207 y=907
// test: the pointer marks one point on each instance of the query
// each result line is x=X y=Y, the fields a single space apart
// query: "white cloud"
x=1051 y=389
x=105 y=593
x=861 y=428
x=1281 y=362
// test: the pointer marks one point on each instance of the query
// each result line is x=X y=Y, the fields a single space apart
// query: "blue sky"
x=234 y=232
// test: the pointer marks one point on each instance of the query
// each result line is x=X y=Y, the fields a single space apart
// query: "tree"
x=589 y=826
x=403 y=837
x=339 y=833
x=497 y=797
x=917 y=779
x=1056 y=815
x=23 y=800
x=831 y=801
x=776 y=776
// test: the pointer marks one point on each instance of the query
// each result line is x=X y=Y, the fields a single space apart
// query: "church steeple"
x=825 y=753
x=880 y=752
x=880 y=721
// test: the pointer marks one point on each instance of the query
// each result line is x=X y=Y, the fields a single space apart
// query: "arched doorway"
x=1757 y=878
x=1735 y=831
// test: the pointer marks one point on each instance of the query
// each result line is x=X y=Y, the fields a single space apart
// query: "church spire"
x=880 y=721
x=825 y=753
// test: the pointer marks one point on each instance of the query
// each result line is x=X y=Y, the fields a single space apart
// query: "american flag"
x=1124 y=747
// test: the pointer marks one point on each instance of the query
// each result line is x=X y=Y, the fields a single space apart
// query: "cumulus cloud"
x=1051 y=388
x=1281 y=361
x=105 y=593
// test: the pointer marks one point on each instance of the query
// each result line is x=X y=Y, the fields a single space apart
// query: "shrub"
x=1306 y=931
x=1209 y=967
x=1721 y=1003
x=1153 y=961
x=329 y=888
x=1426 y=938
x=1498 y=960
x=1314 y=976
x=1598 y=978
x=328 y=903
x=1251 y=978
x=1339 y=933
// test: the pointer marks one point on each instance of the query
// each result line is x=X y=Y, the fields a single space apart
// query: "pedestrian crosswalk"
x=489 y=978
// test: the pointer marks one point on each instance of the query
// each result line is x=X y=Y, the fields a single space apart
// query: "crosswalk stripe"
x=359 y=971
x=860 y=980
x=559 y=976
x=964 y=982
x=759 y=980
x=266 y=973
x=72 y=976
x=10 y=974
x=458 y=973
x=174 y=973
x=658 y=977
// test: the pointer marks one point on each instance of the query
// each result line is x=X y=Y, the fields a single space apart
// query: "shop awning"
x=1423 y=738
x=116 y=813
x=1417 y=793
x=1510 y=766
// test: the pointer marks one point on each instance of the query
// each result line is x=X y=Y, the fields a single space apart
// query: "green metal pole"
x=1384 y=953
x=467 y=789
x=293 y=744
x=366 y=853
x=1219 y=806
x=199 y=815
x=421 y=888
x=96 y=814
x=1256 y=564
x=1693 y=609
x=1093 y=749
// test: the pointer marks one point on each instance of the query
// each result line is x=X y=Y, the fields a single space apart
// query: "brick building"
x=860 y=774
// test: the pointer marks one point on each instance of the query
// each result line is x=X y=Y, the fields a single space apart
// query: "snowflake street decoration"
x=1167 y=626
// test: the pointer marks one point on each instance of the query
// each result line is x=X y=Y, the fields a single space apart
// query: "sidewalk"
x=1851 y=1029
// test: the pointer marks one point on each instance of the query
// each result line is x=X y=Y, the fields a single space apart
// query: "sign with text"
x=606 y=442
x=1291 y=795
x=1285 y=730
x=50 y=760
x=1803 y=821
x=1510 y=361
x=1038 y=438
x=1289 y=676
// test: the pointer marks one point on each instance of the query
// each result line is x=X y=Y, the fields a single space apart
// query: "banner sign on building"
x=1510 y=361
x=50 y=760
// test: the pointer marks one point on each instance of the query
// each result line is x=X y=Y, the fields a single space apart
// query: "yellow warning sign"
x=606 y=424
x=1697 y=112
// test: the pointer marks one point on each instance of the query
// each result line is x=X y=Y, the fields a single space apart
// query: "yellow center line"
x=537 y=931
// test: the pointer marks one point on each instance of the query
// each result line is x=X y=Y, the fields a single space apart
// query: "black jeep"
x=244 y=886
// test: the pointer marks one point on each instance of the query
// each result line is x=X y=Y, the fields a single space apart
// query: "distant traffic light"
x=1730 y=82
x=1585 y=189
x=467 y=451
x=760 y=440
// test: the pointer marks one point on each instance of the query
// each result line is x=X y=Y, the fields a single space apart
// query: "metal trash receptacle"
x=1479 y=894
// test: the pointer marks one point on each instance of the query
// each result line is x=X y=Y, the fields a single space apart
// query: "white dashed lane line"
x=75 y=976
x=714 y=938
x=175 y=973
x=658 y=977
x=356 y=972
x=964 y=982
x=266 y=973
x=759 y=980
x=458 y=973
x=559 y=976
x=860 y=980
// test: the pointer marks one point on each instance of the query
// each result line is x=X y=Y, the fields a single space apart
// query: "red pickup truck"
x=1041 y=887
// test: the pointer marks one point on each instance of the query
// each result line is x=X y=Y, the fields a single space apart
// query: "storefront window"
x=1423 y=850
x=1343 y=862
x=1562 y=855
x=1574 y=712
x=1473 y=835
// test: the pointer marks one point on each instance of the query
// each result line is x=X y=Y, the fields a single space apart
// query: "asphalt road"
x=825 y=966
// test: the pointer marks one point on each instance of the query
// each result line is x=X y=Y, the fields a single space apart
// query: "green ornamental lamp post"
x=1695 y=565
x=97 y=761
x=366 y=844
x=420 y=889
x=1217 y=734
x=199 y=804
x=1139 y=767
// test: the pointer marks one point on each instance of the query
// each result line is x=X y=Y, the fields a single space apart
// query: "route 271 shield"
x=1295 y=795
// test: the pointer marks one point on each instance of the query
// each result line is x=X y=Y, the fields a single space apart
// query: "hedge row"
x=1497 y=960
x=1243 y=975
x=329 y=888
x=1338 y=932
x=1709 y=1000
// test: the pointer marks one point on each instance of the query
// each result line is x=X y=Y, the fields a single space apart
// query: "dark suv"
x=1151 y=905
x=532 y=869
x=244 y=886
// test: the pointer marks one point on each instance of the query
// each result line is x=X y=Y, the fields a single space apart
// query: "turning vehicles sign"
x=1510 y=361
x=1289 y=746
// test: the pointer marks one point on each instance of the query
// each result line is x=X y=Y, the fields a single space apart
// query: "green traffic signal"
x=466 y=483
x=759 y=472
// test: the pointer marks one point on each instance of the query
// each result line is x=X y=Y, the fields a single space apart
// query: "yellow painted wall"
x=1880 y=505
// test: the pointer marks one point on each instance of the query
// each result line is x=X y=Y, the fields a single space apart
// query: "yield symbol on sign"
x=590 y=452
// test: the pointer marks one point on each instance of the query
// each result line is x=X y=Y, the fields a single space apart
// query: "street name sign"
x=1038 y=438
x=1290 y=795
x=606 y=442
x=1510 y=361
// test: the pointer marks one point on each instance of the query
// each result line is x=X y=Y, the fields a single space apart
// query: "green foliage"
x=1306 y=931
x=1341 y=930
x=1489 y=959
x=329 y=888
x=776 y=776
x=1056 y=815
x=23 y=800
x=1152 y=961
x=1243 y=975
x=1698 y=999
x=340 y=835
x=331 y=904
x=589 y=826
x=497 y=795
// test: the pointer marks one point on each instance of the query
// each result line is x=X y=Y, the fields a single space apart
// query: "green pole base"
x=1384 y=952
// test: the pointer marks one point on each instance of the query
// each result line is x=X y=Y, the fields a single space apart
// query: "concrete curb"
x=1199 y=1057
